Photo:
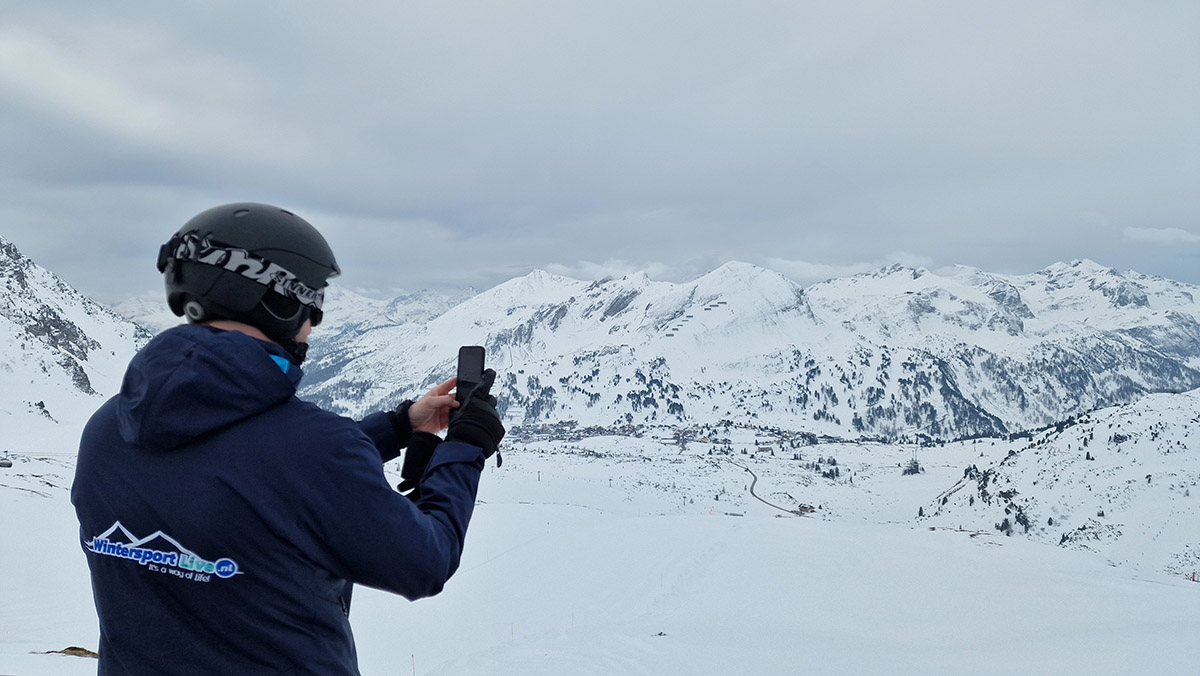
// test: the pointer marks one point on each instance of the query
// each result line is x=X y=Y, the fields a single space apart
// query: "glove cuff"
x=416 y=459
x=470 y=432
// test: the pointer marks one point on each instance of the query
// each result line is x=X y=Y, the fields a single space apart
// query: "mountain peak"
x=741 y=267
x=1086 y=278
x=1080 y=266
x=540 y=276
x=901 y=269
x=535 y=279
x=740 y=273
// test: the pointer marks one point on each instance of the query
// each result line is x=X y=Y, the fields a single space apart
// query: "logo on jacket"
x=160 y=553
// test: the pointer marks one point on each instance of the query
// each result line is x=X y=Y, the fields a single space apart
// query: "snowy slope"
x=642 y=555
x=62 y=352
x=1123 y=482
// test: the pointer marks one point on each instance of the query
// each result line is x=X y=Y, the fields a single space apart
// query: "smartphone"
x=470 y=369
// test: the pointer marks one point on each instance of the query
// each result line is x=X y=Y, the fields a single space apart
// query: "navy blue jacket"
x=224 y=520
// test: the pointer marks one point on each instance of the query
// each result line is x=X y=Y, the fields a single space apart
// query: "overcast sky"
x=442 y=143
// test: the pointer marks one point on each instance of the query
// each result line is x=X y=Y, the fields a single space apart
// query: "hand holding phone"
x=470 y=370
x=475 y=421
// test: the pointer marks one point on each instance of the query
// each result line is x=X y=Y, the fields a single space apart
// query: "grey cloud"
x=451 y=143
x=1162 y=236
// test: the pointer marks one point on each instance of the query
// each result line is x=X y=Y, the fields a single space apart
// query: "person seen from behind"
x=224 y=520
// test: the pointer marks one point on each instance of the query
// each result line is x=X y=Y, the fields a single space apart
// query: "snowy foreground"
x=623 y=556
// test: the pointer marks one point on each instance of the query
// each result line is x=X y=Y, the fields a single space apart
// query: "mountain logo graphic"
x=160 y=552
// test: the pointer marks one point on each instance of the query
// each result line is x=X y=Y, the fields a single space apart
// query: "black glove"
x=416 y=459
x=476 y=421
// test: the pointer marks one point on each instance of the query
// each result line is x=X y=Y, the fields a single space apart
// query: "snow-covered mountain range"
x=900 y=353
x=1077 y=380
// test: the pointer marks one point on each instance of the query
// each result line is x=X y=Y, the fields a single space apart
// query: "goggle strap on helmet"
x=192 y=248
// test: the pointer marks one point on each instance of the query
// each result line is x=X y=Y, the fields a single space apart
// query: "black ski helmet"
x=253 y=263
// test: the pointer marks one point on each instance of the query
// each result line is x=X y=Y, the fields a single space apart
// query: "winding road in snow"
x=754 y=482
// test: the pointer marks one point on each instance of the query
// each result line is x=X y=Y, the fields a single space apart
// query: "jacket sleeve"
x=390 y=431
x=368 y=533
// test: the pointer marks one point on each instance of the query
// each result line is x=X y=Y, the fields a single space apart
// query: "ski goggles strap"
x=192 y=248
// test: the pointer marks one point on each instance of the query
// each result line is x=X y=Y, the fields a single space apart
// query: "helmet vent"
x=241 y=212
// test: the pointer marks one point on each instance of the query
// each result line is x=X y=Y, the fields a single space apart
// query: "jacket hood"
x=193 y=380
